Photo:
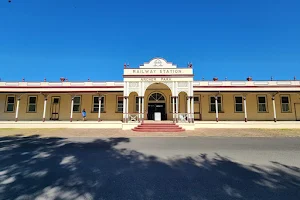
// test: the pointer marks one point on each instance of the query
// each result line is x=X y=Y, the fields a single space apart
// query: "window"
x=285 y=104
x=55 y=100
x=119 y=104
x=96 y=104
x=196 y=99
x=156 y=97
x=212 y=106
x=262 y=103
x=76 y=104
x=31 y=104
x=238 y=104
x=10 y=104
x=136 y=104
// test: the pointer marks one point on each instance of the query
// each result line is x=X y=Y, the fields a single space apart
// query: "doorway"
x=297 y=111
x=156 y=103
x=55 y=108
x=156 y=107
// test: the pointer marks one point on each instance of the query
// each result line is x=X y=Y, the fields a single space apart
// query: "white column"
x=17 y=110
x=143 y=109
x=192 y=109
x=72 y=104
x=44 y=111
x=217 y=111
x=124 y=109
x=177 y=106
x=127 y=111
x=274 y=108
x=188 y=108
x=139 y=116
x=245 y=109
x=99 y=110
x=173 y=109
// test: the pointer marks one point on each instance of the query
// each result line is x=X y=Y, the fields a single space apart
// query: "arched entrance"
x=156 y=103
x=157 y=100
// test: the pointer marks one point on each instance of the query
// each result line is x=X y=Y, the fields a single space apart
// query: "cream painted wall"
x=228 y=107
x=111 y=106
x=110 y=112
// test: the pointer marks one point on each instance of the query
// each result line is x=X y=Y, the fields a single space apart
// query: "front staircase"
x=158 y=127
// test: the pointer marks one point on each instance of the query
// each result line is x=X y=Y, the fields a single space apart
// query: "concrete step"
x=158 y=130
x=171 y=129
x=158 y=127
x=171 y=123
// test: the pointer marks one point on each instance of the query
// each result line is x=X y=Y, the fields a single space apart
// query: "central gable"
x=158 y=63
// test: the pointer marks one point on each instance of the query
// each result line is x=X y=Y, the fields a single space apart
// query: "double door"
x=55 y=104
x=297 y=111
x=156 y=107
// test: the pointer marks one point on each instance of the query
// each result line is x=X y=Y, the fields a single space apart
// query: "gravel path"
x=65 y=133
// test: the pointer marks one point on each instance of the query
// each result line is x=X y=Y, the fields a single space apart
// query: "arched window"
x=156 y=97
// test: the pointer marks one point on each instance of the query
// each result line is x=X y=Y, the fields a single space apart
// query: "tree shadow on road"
x=55 y=168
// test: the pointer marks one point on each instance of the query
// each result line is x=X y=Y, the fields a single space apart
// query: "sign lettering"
x=156 y=79
x=157 y=71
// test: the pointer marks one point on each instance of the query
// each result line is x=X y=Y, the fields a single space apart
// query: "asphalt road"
x=149 y=168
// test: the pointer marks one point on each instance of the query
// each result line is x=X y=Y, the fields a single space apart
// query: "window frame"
x=6 y=104
x=171 y=104
x=157 y=100
x=198 y=96
x=136 y=103
x=117 y=103
x=28 y=103
x=235 y=103
x=221 y=104
x=289 y=103
x=80 y=99
x=266 y=102
x=103 y=102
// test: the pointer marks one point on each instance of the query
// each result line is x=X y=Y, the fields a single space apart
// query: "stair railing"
x=183 y=117
x=133 y=117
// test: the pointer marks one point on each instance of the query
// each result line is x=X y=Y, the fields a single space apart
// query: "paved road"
x=149 y=168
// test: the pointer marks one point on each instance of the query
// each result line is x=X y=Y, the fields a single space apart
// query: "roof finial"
x=190 y=65
x=126 y=65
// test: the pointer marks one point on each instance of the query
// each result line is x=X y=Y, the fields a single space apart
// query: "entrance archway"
x=157 y=97
x=156 y=103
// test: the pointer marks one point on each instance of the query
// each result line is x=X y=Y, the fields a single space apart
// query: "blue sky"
x=81 y=39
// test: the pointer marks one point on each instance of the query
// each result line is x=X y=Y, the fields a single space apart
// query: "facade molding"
x=175 y=83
